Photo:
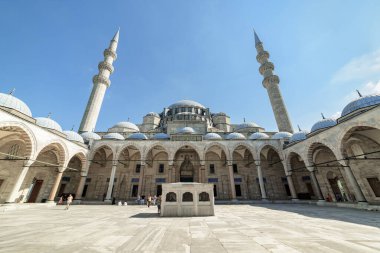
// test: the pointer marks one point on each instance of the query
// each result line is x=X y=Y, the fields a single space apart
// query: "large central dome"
x=186 y=103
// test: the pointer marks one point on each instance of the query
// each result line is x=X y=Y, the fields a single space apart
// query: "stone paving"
x=234 y=228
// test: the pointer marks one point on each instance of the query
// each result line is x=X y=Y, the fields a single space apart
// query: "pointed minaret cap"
x=116 y=36
x=257 y=39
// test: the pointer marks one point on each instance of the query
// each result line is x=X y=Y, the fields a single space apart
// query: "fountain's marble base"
x=187 y=199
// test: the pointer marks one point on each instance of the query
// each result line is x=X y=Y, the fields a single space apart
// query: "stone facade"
x=338 y=161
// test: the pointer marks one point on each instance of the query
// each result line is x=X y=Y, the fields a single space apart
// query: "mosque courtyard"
x=234 y=228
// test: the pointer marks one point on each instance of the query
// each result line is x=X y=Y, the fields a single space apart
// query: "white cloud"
x=365 y=67
x=366 y=89
x=336 y=115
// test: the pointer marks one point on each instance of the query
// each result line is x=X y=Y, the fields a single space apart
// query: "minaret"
x=271 y=82
x=101 y=82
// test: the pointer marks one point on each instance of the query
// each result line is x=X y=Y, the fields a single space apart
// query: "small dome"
x=114 y=136
x=281 y=135
x=126 y=124
x=87 y=136
x=235 y=136
x=186 y=103
x=324 y=123
x=299 y=136
x=257 y=136
x=48 y=123
x=137 y=136
x=219 y=114
x=247 y=125
x=212 y=136
x=161 y=136
x=73 y=136
x=9 y=101
x=152 y=114
x=186 y=130
x=361 y=102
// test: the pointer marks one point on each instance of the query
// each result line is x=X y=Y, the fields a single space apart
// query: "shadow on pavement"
x=362 y=217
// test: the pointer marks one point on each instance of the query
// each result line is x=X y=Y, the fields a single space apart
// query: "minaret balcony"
x=109 y=52
x=262 y=57
x=101 y=79
x=271 y=80
x=105 y=65
x=265 y=67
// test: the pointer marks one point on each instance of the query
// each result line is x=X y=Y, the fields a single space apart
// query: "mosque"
x=338 y=160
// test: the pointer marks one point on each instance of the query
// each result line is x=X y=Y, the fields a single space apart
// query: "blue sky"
x=201 y=50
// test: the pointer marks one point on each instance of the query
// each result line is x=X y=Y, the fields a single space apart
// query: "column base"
x=234 y=200
x=295 y=200
x=77 y=201
x=50 y=202
x=108 y=201
x=265 y=200
x=321 y=200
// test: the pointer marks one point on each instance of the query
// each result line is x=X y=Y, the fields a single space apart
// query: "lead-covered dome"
x=257 y=136
x=322 y=124
x=73 y=136
x=212 y=136
x=152 y=114
x=186 y=103
x=299 y=136
x=113 y=136
x=361 y=102
x=161 y=136
x=137 y=136
x=246 y=125
x=126 y=125
x=281 y=135
x=48 y=123
x=235 y=136
x=186 y=130
x=87 y=136
x=9 y=101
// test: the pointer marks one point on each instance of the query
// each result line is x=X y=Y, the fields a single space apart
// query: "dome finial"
x=244 y=119
x=360 y=95
x=49 y=115
x=72 y=128
x=299 y=129
x=323 y=116
x=12 y=91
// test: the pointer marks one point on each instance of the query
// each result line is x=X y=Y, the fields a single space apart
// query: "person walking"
x=149 y=202
x=60 y=201
x=158 y=202
x=69 y=200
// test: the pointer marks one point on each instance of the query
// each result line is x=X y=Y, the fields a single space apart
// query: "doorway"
x=35 y=190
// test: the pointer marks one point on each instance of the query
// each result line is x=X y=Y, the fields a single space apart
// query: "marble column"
x=141 y=178
x=110 y=183
x=317 y=188
x=202 y=174
x=79 y=192
x=232 y=181
x=14 y=194
x=53 y=191
x=291 y=187
x=261 y=181
x=351 y=178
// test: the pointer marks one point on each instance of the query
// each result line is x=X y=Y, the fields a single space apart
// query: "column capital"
x=258 y=163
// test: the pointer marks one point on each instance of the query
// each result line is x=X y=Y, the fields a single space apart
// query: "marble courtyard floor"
x=234 y=228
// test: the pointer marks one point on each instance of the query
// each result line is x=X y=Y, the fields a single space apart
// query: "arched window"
x=187 y=197
x=203 y=196
x=13 y=152
x=171 y=197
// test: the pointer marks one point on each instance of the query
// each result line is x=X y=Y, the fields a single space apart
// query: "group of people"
x=150 y=201
x=69 y=200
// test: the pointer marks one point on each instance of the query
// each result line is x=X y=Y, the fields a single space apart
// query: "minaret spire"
x=271 y=82
x=101 y=82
